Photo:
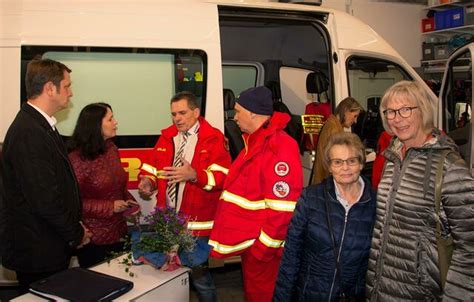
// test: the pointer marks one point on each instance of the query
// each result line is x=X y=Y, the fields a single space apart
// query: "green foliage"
x=166 y=230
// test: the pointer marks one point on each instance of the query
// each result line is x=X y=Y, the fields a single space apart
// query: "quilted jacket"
x=403 y=257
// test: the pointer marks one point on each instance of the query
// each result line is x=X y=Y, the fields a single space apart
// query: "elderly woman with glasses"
x=405 y=256
x=328 y=241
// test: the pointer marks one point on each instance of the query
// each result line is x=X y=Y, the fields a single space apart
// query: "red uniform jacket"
x=260 y=194
x=211 y=161
x=377 y=168
x=101 y=182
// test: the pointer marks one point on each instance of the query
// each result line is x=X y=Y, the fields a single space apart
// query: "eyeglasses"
x=352 y=161
x=403 y=112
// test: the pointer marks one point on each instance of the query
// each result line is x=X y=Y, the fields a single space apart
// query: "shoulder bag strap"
x=444 y=245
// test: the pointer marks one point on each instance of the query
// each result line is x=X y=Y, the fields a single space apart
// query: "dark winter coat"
x=308 y=267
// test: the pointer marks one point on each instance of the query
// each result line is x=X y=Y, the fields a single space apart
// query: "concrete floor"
x=228 y=281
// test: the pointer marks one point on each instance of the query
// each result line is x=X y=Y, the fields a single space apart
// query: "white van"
x=136 y=54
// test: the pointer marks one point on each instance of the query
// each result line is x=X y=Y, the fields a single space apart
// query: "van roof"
x=89 y=23
x=352 y=33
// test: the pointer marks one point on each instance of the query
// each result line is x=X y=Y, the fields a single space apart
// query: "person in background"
x=42 y=204
x=345 y=116
x=382 y=143
x=328 y=241
x=188 y=166
x=260 y=194
x=102 y=183
x=403 y=263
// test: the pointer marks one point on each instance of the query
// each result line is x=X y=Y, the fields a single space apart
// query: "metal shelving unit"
x=438 y=65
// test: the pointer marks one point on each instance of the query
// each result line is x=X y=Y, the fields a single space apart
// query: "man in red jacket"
x=260 y=194
x=187 y=168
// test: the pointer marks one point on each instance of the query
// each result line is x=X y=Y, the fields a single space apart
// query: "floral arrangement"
x=162 y=242
x=167 y=231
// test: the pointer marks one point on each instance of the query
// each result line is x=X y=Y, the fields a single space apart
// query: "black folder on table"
x=82 y=285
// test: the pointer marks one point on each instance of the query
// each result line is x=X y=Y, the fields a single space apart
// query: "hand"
x=179 y=174
x=86 y=238
x=120 y=206
x=133 y=208
x=145 y=187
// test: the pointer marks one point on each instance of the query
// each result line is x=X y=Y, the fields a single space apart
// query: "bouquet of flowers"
x=166 y=242
x=167 y=232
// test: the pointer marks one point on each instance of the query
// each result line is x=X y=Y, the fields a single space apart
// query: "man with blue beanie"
x=260 y=194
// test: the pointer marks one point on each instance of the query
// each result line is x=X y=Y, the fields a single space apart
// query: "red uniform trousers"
x=259 y=277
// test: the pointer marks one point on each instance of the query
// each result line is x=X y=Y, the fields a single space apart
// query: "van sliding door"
x=456 y=102
x=278 y=49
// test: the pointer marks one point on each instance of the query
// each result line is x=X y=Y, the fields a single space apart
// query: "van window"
x=239 y=77
x=137 y=83
x=368 y=79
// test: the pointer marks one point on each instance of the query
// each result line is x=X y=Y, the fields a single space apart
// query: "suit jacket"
x=42 y=203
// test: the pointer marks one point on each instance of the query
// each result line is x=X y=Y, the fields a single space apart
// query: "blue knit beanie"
x=257 y=100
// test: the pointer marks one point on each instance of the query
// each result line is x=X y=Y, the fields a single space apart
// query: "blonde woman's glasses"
x=403 y=112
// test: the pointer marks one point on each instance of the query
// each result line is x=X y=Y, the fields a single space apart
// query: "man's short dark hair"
x=188 y=96
x=42 y=71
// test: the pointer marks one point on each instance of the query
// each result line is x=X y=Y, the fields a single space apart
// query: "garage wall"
x=398 y=23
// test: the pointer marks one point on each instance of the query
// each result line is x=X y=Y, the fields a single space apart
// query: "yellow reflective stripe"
x=269 y=241
x=152 y=170
x=243 y=202
x=227 y=249
x=149 y=168
x=274 y=204
x=280 y=205
x=216 y=167
x=211 y=181
x=200 y=225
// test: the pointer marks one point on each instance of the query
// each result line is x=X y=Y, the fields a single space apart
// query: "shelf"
x=466 y=29
x=439 y=66
x=441 y=61
x=442 y=69
x=444 y=6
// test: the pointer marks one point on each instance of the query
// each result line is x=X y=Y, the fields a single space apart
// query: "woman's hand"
x=133 y=208
x=120 y=206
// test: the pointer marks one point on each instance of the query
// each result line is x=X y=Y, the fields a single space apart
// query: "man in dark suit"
x=42 y=204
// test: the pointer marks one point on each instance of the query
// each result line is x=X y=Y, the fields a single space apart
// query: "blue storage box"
x=440 y=20
x=455 y=17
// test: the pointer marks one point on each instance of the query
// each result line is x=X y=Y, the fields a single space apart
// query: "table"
x=149 y=284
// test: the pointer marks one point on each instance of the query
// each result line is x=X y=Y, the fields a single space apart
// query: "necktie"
x=172 y=187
